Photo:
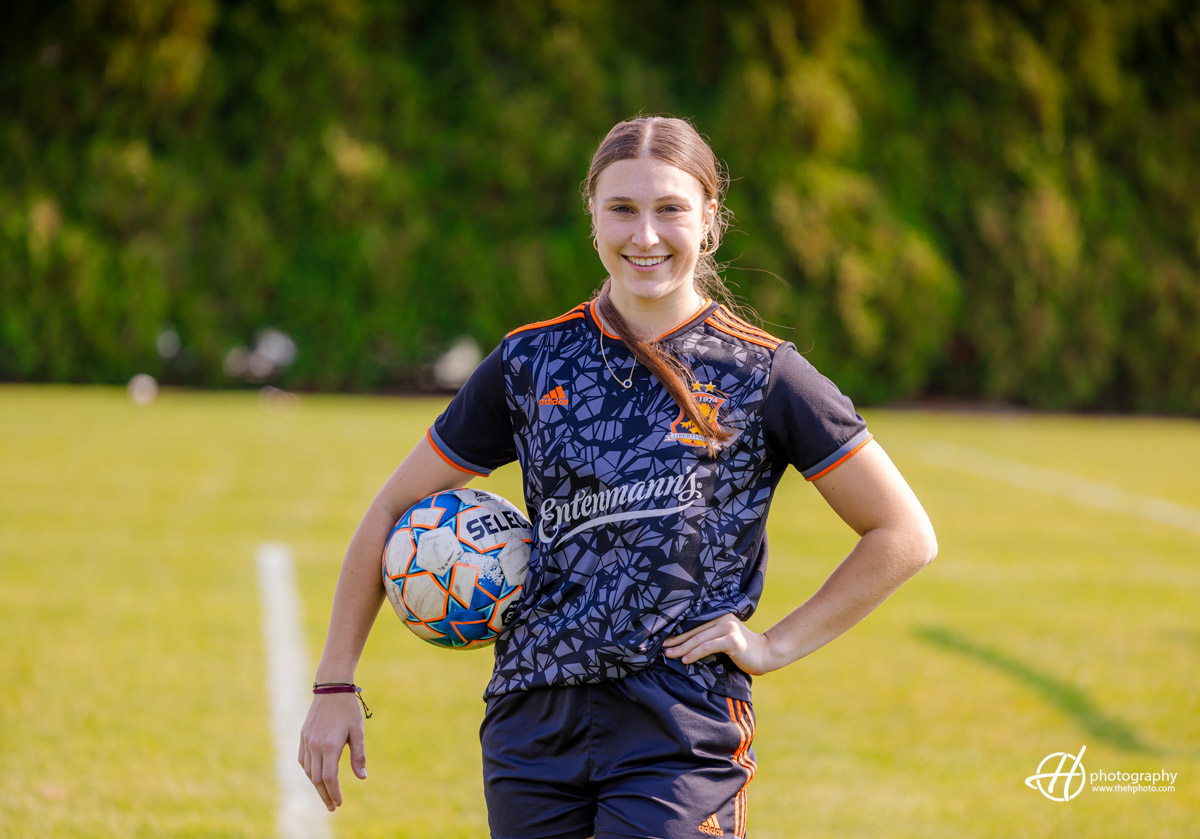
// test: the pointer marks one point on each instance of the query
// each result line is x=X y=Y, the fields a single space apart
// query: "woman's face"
x=651 y=219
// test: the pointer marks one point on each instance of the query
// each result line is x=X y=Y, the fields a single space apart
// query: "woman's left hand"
x=727 y=634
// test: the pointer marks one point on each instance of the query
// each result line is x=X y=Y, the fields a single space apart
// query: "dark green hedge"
x=977 y=199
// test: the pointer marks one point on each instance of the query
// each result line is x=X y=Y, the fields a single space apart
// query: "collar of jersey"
x=706 y=308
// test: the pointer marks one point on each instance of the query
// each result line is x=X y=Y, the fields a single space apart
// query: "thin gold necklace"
x=627 y=383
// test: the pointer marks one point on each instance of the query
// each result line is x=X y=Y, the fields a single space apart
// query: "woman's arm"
x=896 y=541
x=334 y=720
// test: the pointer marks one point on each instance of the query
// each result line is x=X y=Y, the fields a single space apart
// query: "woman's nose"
x=645 y=236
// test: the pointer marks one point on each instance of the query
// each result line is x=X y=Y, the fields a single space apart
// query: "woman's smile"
x=645 y=263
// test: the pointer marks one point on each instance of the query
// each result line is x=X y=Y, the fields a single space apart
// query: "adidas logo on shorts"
x=711 y=826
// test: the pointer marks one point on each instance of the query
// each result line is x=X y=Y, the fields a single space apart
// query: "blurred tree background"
x=968 y=198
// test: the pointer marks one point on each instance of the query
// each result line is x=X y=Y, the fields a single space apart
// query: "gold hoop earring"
x=596 y=245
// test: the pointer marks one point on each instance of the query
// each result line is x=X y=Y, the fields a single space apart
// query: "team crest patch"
x=683 y=430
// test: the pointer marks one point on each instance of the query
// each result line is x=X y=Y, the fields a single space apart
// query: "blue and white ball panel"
x=455 y=566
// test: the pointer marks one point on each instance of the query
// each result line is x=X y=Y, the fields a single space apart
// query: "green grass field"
x=133 y=698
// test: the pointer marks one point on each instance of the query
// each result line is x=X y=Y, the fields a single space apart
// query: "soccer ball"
x=454 y=567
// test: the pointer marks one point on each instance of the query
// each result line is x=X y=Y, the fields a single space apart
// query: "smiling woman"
x=652 y=425
x=650 y=222
x=655 y=192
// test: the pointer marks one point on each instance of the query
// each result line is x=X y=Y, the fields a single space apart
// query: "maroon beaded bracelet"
x=343 y=687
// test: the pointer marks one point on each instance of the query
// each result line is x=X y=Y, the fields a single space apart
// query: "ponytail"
x=670 y=372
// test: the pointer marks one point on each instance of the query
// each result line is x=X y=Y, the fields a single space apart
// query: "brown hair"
x=676 y=142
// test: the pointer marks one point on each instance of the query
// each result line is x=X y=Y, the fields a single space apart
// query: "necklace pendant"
x=625 y=383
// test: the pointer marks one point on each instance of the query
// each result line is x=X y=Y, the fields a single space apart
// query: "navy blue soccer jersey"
x=638 y=534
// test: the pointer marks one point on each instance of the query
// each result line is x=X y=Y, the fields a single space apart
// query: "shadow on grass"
x=1179 y=635
x=1068 y=698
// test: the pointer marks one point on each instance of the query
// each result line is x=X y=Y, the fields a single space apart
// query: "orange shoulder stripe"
x=749 y=327
x=740 y=326
x=574 y=314
x=741 y=336
x=738 y=323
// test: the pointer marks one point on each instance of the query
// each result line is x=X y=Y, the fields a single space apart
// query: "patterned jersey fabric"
x=638 y=533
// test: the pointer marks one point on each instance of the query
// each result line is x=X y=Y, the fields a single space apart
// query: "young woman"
x=652 y=425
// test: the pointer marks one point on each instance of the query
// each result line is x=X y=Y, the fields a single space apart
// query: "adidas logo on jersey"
x=711 y=826
x=558 y=396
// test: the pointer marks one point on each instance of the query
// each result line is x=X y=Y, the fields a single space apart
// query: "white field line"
x=300 y=814
x=1092 y=493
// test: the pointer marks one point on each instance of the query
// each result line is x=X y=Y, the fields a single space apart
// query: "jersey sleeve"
x=808 y=422
x=475 y=432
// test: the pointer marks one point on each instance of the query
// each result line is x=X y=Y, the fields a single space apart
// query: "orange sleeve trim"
x=440 y=454
x=734 y=321
x=740 y=335
x=842 y=459
x=574 y=314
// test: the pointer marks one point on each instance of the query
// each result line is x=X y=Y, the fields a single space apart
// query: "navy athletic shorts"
x=651 y=756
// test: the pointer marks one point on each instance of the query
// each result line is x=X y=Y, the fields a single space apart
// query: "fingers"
x=716 y=639
x=707 y=636
x=676 y=640
x=358 y=752
x=681 y=638
x=312 y=768
x=328 y=788
x=322 y=769
x=326 y=732
x=726 y=634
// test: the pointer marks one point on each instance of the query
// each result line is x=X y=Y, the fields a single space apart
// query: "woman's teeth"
x=647 y=261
